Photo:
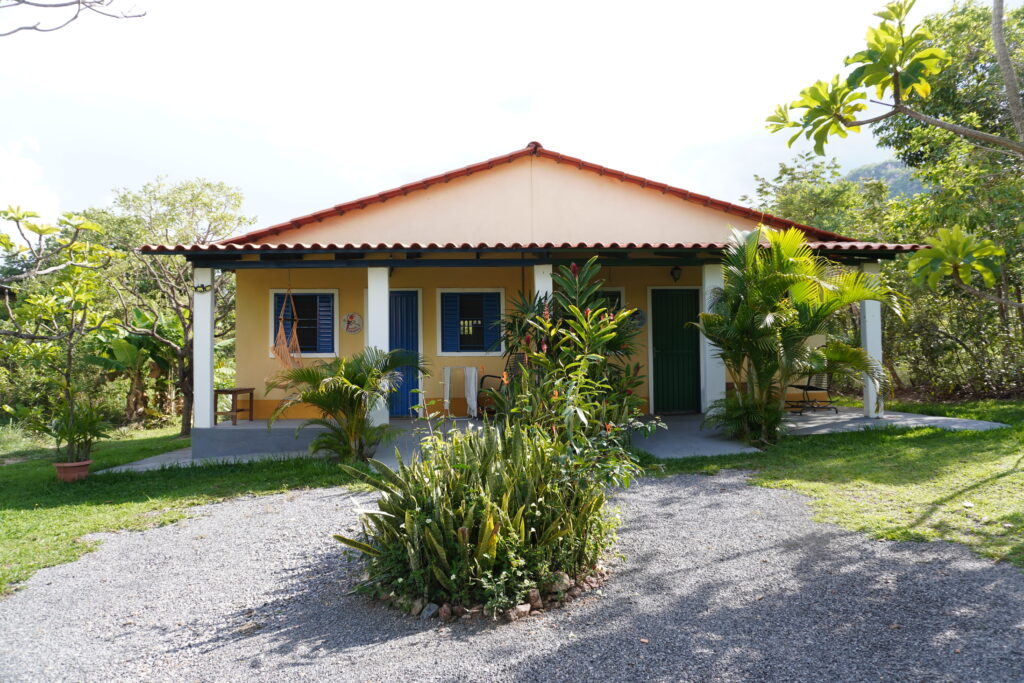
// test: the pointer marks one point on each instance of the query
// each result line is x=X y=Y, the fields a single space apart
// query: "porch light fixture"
x=675 y=273
x=203 y=288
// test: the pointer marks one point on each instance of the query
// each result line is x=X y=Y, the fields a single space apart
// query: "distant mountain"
x=893 y=172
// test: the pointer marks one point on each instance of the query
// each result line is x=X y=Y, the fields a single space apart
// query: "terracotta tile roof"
x=246 y=243
x=250 y=247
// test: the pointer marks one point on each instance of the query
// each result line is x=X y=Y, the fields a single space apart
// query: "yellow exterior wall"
x=255 y=365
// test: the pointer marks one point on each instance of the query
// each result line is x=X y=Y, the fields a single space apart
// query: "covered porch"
x=399 y=302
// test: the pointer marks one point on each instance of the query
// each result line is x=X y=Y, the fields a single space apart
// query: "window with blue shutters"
x=470 y=322
x=312 y=318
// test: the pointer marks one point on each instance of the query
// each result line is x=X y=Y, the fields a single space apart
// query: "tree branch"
x=962 y=131
x=980 y=293
x=1010 y=82
x=95 y=6
x=868 y=122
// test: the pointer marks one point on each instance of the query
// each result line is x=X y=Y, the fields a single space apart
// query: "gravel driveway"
x=725 y=581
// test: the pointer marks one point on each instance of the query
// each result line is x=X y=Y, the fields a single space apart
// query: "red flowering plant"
x=571 y=371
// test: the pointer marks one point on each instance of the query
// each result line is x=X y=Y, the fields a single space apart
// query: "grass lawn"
x=922 y=484
x=919 y=485
x=42 y=521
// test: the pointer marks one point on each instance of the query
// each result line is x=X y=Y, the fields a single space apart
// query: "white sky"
x=308 y=104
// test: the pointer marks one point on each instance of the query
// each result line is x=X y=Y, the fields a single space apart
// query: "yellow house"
x=430 y=265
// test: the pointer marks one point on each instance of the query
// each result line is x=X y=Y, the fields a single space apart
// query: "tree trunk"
x=1006 y=68
x=1020 y=311
x=900 y=386
x=137 y=400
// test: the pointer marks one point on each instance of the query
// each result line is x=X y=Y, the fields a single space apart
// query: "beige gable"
x=532 y=199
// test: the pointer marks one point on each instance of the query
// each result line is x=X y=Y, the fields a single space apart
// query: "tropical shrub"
x=776 y=295
x=482 y=516
x=575 y=379
x=344 y=391
x=486 y=515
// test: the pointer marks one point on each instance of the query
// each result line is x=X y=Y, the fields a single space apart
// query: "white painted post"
x=203 y=405
x=712 y=369
x=542 y=279
x=378 y=322
x=871 y=341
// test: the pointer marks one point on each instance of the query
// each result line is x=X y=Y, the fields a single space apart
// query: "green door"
x=675 y=350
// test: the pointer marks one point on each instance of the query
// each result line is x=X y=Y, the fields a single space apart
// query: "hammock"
x=284 y=349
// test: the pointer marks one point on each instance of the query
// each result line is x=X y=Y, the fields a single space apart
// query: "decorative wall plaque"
x=353 y=323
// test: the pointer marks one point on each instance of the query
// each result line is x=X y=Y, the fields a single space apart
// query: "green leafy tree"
x=955 y=113
x=813 y=191
x=193 y=211
x=136 y=358
x=900 y=62
x=969 y=89
x=60 y=319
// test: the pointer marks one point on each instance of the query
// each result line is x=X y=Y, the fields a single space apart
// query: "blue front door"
x=405 y=334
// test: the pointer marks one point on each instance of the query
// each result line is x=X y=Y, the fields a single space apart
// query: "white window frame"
x=273 y=320
x=440 y=320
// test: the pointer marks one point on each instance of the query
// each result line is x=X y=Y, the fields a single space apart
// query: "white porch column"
x=712 y=369
x=871 y=341
x=542 y=279
x=203 y=406
x=378 y=324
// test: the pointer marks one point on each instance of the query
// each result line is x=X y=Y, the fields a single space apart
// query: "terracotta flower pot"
x=72 y=471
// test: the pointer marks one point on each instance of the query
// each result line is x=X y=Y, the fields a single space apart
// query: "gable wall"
x=529 y=200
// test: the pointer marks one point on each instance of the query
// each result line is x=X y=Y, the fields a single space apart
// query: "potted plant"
x=74 y=429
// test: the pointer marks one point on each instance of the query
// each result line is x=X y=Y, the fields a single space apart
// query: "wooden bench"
x=234 y=394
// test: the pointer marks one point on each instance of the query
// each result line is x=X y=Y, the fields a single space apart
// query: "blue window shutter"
x=325 y=323
x=281 y=301
x=492 y=321
x=449 y=322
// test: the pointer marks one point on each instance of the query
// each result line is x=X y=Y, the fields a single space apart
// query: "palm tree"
x=344 y=391
x=776 y=294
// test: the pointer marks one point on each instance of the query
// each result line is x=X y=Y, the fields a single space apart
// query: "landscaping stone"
x=248 y=628
x=533 y=598
x=417 y=607
x=520 y=611
x=445 y=613
x=560 y=584
x=429 y=611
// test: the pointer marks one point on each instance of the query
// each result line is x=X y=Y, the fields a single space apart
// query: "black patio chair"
x=820 y=383
x=513 y=368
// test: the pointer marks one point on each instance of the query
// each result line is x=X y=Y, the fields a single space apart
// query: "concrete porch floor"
x=683 y=439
